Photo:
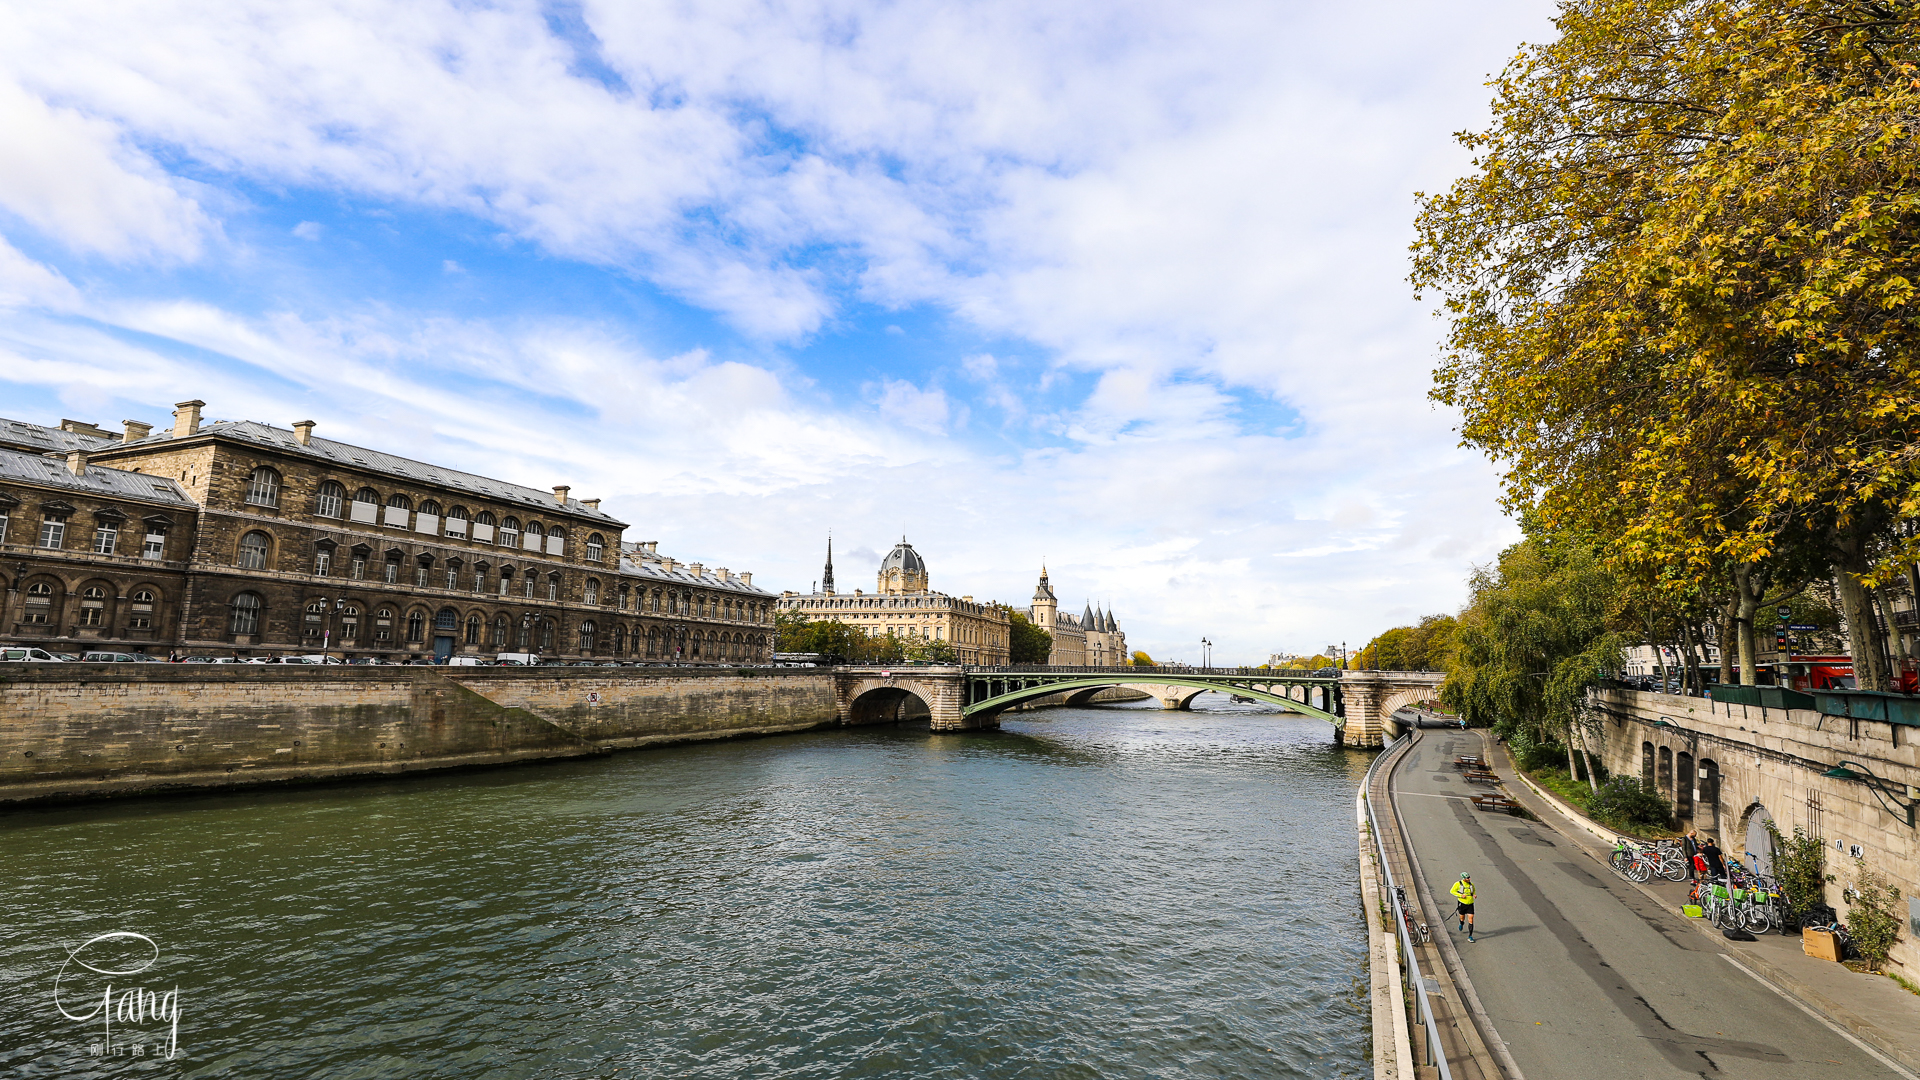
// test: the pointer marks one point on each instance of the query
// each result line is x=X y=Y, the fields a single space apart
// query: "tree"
x=932 y=651
x=1027 y=643
x=1423 y=647
x=1534 y=638
x=1682 y=292
x=1140 y=659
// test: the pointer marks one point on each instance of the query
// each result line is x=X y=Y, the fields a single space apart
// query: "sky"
x=1119 y=287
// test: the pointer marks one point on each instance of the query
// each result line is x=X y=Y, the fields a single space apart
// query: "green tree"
x=1534 y=638
x=1681 y=287
x=1140 y=659
x=1027 y=643
x=1873 y=916
x=931 y=651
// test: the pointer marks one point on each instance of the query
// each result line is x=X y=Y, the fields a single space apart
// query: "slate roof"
x=283 y=441
x=681 y=574
x=905 y=558
x=19 y=466
x=40 y=439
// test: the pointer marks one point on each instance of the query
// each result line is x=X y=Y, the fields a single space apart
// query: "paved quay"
x=1584 y=975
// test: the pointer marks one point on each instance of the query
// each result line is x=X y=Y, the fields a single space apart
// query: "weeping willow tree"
x=1536 y=635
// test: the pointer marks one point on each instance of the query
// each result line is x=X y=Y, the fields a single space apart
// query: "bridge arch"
x=1175 y=691
x=884 y=697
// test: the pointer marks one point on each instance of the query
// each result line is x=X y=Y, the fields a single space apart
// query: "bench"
x=1495 y=802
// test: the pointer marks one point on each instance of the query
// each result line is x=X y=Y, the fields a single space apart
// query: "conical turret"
x=826 y=577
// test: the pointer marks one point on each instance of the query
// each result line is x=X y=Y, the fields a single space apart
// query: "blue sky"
x=1120 y=286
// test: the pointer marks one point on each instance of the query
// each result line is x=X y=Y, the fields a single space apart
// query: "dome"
x=903 y=557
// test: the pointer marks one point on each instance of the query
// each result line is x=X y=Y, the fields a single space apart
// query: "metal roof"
x=284 y=441
x=681 y=574
x=18 y=434
x=19 y=466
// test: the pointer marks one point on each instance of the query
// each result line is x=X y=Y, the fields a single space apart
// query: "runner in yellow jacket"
x=1463 y=892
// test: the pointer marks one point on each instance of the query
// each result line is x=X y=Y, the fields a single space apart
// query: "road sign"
x=1801 y=627
x=593 y=697
x=1785 y=613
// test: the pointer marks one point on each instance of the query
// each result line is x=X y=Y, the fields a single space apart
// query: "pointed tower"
x=826 y=579
x=1046 y=607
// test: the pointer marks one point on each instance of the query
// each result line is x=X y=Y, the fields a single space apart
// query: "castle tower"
x=826 y=579
x=902 y=571
x=1046 y=607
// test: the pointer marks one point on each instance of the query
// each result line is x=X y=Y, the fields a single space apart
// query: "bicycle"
x=1416 y=930
x=1630 y=860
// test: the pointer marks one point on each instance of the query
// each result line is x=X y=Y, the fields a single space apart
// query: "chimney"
x=667 y=564
x=746 y=579
x=560 y=493
x=723 y=573
x=135 y=430
x=653 y=547
x=77 y=462
x=81 y=427
x=186 y=418
x=303 y=432
x=696 y=569
x=591 y=504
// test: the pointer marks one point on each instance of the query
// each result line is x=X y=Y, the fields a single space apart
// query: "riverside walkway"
x=1582 y=975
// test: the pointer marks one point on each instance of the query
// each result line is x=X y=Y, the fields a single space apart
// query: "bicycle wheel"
x=1756 y=919
x=1673 y=868
x=1640 y=870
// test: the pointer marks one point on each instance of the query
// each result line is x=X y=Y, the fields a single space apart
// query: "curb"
x=1392 y=1040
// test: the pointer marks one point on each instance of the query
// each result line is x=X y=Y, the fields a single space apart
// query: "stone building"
x=1091 y=639
x=906 y=604
x=274 y=540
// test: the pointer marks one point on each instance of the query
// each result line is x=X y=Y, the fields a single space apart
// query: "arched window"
x=383 y=626
x=252 y=554
x=430 y=507
x=350 y=622
x=546 y=635
x=399 y=501
x=93 y=606
x=653 y=643
x=244 y=617
x=39 y=606
x=416 y=625
x=557 y=541
x=586 y=637
x=366 y=506
x=592 y=594
x=510 y=532
x=596 y=547
x=398 y=509
x=456 y=521
x=536 y=536
x=311 y=623
x=619 y=640
x=499 y=632
x=140 y=614
x=330 y=499
x=263 y=488
x=473 y=629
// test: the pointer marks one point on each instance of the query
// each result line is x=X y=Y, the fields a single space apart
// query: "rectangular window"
x=529 y=587
x=53 y=533
x=456 y=526
x=556 y=545
x=397 y=516
x=155 y=546
x=393 y=573
x=3 y=526
x=531 y=541
x=453 y=578
x=482 y=533
x=322 y=563
x=105 y=536
x=553 y=589
x=426 y=523
x=92 y=612
x=359 y=568
x=419 y=577
x=142 y=617
x=505 y=582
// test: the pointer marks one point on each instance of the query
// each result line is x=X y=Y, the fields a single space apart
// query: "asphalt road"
x=1585 y=977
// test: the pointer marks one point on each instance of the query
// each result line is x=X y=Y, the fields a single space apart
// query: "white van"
x=29 y=655
x=528 y=658
x=468 y=661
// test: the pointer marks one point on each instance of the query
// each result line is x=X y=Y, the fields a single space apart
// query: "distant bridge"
x=1356 y=703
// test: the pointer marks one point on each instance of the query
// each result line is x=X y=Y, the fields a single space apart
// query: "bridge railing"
x=1131 y=671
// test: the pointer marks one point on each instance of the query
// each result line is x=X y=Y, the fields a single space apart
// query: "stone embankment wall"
x=81 y=732
x=1726 y=766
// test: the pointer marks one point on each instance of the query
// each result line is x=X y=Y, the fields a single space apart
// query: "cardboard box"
x=1820 y=945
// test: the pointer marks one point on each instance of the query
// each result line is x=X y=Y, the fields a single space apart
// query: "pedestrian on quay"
x=1690 y=847
x=1463 y=893
x=1716 y=862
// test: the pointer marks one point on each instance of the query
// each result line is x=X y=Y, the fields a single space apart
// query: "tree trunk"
x=1689 y=682
x=1897 y=642
x=1573 y=767
x=1868 y=672
x=1746 y=603
x=1726 y=643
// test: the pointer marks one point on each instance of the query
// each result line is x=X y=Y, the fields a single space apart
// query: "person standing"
x=1716 y=863
x=1463 y=893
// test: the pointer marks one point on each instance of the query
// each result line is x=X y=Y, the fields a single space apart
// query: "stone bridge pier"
x=883 y=695
x=1372 y=697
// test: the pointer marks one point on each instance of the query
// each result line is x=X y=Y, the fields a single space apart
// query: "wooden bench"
x=1495 y=802
x=1482 y=777
x=1465 y=763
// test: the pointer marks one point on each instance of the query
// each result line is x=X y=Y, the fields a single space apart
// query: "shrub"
x=1799 y=865
x=1872 y=918
x=1625 y=800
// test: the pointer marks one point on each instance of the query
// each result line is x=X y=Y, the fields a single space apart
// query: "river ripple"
x=1108 y=892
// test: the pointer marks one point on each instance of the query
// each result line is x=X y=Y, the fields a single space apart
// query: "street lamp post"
x=1206 y=655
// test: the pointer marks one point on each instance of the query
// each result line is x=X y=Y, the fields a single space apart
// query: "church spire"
x=826 y=578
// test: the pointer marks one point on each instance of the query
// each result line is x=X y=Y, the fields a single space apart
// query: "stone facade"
x=1092 y=639
x=1729 y=768
x=905 y=604
x=278 y=541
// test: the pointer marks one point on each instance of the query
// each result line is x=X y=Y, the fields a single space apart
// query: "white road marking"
x=1836 y=1028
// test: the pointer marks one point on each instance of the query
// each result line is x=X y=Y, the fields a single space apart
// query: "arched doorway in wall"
x=445 y=625
x=1708 y=808
x=888 y=705
x=1663 y=772
x=1759 y=841
x=1683 y=786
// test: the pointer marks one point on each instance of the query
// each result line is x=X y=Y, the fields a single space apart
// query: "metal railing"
x=1435 y=1052
x=1158 y=669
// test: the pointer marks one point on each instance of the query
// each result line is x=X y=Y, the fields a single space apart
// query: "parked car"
x=517 y=658
x=212 y=660
x=29 y=655
x=119 y=658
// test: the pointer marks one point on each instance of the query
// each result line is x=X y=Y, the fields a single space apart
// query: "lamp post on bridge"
x=1206 y=655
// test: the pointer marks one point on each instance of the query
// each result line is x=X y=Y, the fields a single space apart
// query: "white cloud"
x=308 y=230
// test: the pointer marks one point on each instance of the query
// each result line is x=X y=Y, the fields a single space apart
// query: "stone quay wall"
x=89 y=731
x=1729 y=767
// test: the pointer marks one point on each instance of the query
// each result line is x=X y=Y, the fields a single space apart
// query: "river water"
x=1106 y=892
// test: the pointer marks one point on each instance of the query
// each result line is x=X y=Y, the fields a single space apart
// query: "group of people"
x=1703 y=856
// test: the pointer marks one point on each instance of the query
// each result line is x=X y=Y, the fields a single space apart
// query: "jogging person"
x=1463 y=892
